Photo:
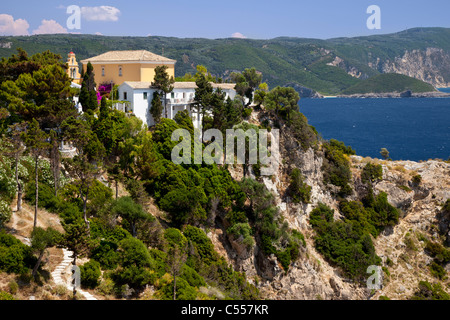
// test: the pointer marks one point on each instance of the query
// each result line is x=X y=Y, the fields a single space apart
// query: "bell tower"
x=73 y=68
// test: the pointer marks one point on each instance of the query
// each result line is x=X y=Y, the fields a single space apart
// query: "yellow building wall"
x=73 y=64
x=148 y=72
x=130 y=72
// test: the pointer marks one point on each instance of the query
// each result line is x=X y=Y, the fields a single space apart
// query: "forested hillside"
x=140 y=226
x=326 y=66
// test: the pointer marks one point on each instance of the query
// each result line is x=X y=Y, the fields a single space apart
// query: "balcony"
x=179 y=101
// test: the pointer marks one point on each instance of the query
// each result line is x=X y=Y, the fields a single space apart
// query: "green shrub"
x=299 y=236
x=99 y=196
x=336 y=169
x=409 y=242
x=183 y=292
x=70 y=213
x=244 y=230
x=371 y=173
x=192 y=277
x=106 y=286
x=438 y=271
x=90 y=274
x=8 y=186
x=417 y=179
x=381 y=212
x=437 y=251
x=133 y=276
x=6 y=296
x=13 y=287
x=133 y=252
x=383 y=298
x=305 y=134
x=106 y=255
x=179 y=204
x=175 y=237
x=236 y=216
x=160 y=261
x=407 y=189
x=355 y=213
x=446 y=206
x=46 y=199
x=201 y=243
x=15 y=257
x=100 y=230
x=346 y=244
x=339 y=145
x=428 y=291
x=246 y=113
x=321 y=214
x=298 y=189
x=5 y=212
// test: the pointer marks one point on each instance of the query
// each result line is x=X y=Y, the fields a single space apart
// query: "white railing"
x=179 y=101
x=123 y=106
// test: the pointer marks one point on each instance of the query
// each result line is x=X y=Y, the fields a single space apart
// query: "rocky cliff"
x=431 y=65
x=401 y=247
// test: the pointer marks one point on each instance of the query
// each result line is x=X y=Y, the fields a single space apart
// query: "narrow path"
x=63 y=268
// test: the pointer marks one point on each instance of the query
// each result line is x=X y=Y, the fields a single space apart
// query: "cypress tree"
x=88 y=96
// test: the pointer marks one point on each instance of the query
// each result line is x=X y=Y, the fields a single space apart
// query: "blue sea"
x=411 y=129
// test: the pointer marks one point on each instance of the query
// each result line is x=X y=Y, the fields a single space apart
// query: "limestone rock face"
x=243 y=251
x=398 y=197
x=425 y=65
x=312 y=277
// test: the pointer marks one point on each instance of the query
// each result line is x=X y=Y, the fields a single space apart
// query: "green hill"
x=327 y=66
x=389 y=82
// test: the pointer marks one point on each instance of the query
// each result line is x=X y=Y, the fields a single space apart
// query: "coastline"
x=434 y=94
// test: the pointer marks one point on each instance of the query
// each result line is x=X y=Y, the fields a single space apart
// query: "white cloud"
x=50 y=27
x=102 y=13
x=238 y=35
x=11 y=27
x=98 y=33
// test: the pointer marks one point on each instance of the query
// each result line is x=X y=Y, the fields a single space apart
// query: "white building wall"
x=178 y=100
x=141 y=105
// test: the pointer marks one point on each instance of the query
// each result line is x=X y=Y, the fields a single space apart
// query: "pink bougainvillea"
x=99 y=97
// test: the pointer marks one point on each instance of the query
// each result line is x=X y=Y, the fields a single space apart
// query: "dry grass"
x=21 y=226
x=21 y=223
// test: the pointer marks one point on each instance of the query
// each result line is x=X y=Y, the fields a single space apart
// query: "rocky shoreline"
x=434 y=94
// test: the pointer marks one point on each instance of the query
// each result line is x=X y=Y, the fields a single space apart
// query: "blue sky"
x=221 y=19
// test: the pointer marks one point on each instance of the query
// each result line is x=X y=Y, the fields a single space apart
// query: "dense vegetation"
x=389 y=82
x=347 y=243
x=126 y=245
x=281 y=60
x=154 y=232
x=428 y=291
x=336 y=166
x=117 y=234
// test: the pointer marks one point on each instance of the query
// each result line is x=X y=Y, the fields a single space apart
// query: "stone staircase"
x=64 y=268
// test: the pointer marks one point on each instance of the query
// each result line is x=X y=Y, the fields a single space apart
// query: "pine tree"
x=15 y=150
x=86 y=165
x=36 y=141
